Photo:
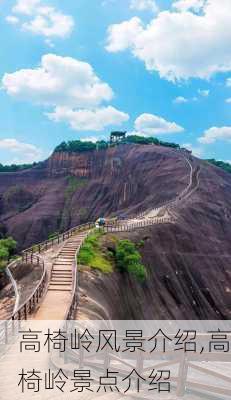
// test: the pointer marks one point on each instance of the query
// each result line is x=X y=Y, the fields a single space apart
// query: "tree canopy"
x=17 y=167
x=7 y=248
x=221 y=164
x=128 y=259
x=74 y=146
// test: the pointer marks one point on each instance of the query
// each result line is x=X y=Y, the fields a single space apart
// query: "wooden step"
x=59 y=275
x=59 y=264
x=58 y=289
x=60 y=284
x=61 y=278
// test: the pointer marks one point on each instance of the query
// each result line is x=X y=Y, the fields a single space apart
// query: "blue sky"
x=71 y=70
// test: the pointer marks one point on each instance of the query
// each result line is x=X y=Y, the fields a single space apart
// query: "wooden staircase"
x=61 y=274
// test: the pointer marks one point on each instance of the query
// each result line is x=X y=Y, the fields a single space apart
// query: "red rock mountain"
x=189 y=262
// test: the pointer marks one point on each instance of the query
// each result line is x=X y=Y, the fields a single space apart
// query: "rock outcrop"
x=189 y=262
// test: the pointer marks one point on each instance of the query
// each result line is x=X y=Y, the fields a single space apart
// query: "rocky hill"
x=188 y=262
x=71 y=188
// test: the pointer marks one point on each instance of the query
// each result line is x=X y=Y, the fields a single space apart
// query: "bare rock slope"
x=189 y=262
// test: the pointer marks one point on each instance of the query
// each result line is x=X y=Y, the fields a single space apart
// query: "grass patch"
x=92 y=254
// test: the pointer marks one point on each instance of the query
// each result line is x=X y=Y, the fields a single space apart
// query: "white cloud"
x=150 y=124
x=21 y=152
x=71 y=88
x=41 y=19
x=180 y=100
x=27 y=7
x=196 y=150
x=228 y=100
x=122 y=36
x=228 y=82
x=144 y=5
x=58 y=81
x=179 y=44
x=50 y=23
x=183 y=100
x=213 y=134
x=186 y=5
x=203 y=93
x=12 y=19
x=87 y=120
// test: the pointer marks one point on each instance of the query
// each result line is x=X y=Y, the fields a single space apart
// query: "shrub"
x=128 y=260
x=7 y=247
x=93 y=255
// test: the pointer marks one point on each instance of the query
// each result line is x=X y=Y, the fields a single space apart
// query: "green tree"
x=7 y=248
x=128 y=260
x=221 y=164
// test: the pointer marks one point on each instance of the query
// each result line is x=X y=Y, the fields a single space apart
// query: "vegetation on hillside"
x=221 y=164
x=135 y=139
x=125 y=256
x=93 y=255
x=18 y=167
x=74 y=146
x=7 y=248
x=128 y=259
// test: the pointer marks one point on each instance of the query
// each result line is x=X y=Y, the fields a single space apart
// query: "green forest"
x=221 y=164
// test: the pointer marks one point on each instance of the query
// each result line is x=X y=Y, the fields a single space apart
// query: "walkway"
x=57 y=299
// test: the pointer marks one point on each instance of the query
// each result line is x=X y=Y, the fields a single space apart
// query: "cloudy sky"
x=76 y=69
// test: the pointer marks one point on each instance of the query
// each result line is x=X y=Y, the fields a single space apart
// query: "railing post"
x=182 y=376
x=6 y=332
x=25 y=312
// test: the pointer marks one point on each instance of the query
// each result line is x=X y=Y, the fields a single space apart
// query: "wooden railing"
x=127 y=227
x=184 y=362
x=33 y=256
x=56 y=239
x=71 y=312
x=8 y=327
x=31 y=303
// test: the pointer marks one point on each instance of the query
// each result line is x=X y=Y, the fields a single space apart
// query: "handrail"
x=7 y=328
x=74 y=298
x=30 y=304
x=60 y=237
x=138 y=224
x=14 y=284
x=31 y=256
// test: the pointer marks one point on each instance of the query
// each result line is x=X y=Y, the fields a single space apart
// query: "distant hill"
x=221 y=164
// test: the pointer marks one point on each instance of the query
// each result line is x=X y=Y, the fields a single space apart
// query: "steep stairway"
x=61 y=275
x=57 y=299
